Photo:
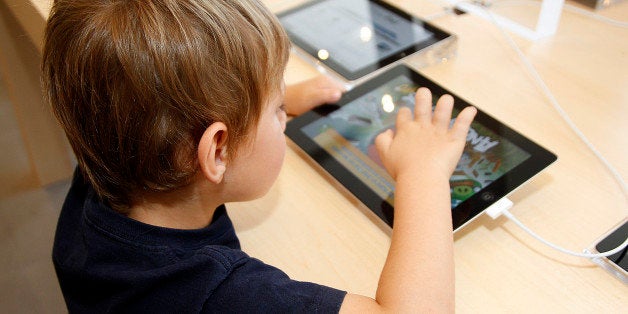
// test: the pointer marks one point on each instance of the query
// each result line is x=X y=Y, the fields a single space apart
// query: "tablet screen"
x=340 y=138
x=348 y=135
x=356 y=37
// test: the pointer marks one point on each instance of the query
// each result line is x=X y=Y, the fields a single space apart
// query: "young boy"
x=174 y=108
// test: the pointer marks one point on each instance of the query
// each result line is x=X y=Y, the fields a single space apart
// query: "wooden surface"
x=309 y=228
x=21 y=29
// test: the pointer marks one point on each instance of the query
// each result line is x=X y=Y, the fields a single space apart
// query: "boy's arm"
x=418 y=275
x=303 y=96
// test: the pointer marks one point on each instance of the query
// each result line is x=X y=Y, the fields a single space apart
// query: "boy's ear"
x=212 y=152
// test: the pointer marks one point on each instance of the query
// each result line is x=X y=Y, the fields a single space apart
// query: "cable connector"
x=499 y=207
x=503 y=206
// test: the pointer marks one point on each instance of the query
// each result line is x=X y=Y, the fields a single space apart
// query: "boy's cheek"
x=283 y=120
x=283 y=125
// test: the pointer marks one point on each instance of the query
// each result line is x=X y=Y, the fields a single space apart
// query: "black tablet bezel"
x=312 y=51
x=539 y=158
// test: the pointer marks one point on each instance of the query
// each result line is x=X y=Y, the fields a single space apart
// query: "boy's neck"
x=185 y=208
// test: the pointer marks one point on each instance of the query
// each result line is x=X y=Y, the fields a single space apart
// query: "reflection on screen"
x=348 y=135
x=354 y=33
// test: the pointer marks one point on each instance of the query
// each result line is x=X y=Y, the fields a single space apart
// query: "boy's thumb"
x=383 y=142
x=329 y=96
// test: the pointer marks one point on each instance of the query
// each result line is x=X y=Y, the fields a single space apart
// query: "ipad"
x=356 y=37
x=340 y=139
x=616 y=264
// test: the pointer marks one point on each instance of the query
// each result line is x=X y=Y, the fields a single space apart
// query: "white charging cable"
x=614 y=251
x=503 y=209
x=567 y=7
x=559 y=109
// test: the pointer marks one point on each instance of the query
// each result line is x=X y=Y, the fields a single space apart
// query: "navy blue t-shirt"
x=106 y=262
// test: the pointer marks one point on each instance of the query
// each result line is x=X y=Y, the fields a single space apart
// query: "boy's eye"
x=282 y=108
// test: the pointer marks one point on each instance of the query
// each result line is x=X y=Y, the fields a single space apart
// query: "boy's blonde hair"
x=135 y=83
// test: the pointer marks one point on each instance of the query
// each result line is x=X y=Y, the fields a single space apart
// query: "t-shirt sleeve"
x=255 y=287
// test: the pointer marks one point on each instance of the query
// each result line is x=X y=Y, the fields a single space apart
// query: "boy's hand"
x=425 y=144
x=303 y=96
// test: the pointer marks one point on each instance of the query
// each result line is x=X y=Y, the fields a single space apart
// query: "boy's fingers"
x=404 y=115
x=462 y=124
x=330 y=96
x=329 y=91
x=383 y=141
x=304 y=96
x=323 y=96
x=442 y=113
x=423 y=105
x=323 y=81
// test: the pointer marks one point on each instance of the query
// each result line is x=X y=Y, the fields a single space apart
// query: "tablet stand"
x=547 y=23
x=439 y=52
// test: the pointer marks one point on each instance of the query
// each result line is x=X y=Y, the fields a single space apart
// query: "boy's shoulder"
x=106 y=260
x=102 y=255
x=87 y=224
